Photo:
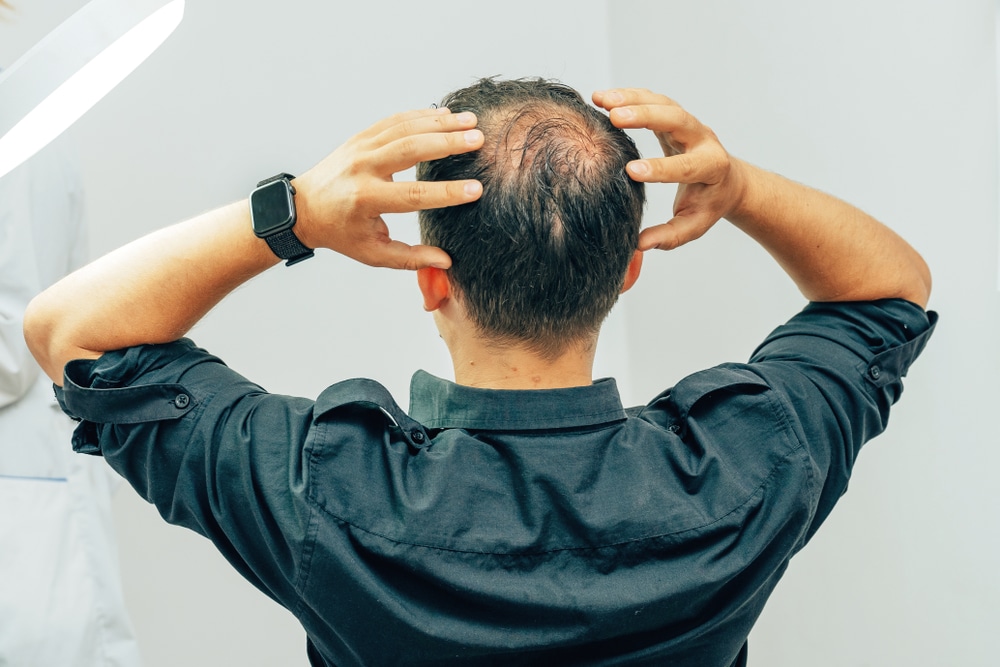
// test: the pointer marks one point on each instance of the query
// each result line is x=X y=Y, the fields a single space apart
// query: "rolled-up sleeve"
x=838 y=368
x=213 y=451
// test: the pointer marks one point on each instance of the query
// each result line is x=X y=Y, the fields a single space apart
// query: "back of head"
x=540 y=258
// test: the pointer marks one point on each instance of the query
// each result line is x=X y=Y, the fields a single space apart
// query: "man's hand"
x=341 y=200
x=709 y=180
x=832 y=250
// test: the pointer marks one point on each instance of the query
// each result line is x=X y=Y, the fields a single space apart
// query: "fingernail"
x=638 y=168
x=473 y=188
x=624 y=113
x=465 y=117
x=473 y=136
x=615 y=98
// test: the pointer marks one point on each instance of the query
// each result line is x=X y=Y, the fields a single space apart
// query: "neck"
x=486 y=364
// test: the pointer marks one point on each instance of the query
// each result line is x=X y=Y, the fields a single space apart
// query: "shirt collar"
x=438 y=403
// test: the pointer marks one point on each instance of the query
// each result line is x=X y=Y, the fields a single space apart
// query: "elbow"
x=41 y=334
x=928 y=282
x=919 y=286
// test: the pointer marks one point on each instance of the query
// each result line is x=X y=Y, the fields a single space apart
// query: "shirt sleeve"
x=837 y=368
x=211 y=450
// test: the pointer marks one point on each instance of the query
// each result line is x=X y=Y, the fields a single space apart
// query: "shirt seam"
x=306 y=555
x=522 y=554
x=591 y=419
x=784 y=411
x=797 y=447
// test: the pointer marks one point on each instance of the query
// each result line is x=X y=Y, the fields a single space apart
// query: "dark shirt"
x=510 y=527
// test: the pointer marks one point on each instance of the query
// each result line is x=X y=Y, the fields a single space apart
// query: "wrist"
x=274 y=216
x=305 y=222
x=741 y=178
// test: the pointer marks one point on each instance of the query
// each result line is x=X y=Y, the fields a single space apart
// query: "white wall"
x=890 y=105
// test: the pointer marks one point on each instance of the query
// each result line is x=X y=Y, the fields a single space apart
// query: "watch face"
x=272 y=208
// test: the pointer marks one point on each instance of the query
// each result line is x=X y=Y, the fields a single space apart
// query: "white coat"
x=61 y=602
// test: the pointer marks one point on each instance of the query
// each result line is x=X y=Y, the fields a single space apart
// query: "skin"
x=832 y=251
x=481 y=362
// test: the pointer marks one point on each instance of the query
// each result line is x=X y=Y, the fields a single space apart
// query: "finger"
x=398 y=255
x=678 y=231
x=407 y=151
x=673 y=120
x=707 y=166
x=618 y=97
x=395 y=119
x=391 y=197
x=426 y=124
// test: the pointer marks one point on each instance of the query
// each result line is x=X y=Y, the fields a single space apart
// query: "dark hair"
x=540 y=258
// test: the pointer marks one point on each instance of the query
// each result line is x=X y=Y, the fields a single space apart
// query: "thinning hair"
x=540 y=258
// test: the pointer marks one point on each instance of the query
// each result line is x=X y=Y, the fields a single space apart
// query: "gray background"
x=889 y=105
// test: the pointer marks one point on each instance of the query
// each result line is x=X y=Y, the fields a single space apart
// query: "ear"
x=434 y=286
x=632 y=272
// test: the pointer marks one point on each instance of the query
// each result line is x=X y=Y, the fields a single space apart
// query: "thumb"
x=399 y=255
x=682 y=228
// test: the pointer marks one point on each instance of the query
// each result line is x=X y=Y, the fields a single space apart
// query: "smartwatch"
x=272 y=212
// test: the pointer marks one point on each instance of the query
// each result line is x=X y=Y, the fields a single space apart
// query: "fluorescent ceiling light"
x=73 y=67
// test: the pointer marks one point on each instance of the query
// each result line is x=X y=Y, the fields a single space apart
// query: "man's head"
x=541 y=257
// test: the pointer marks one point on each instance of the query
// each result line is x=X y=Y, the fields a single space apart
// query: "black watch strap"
x=277 y=177
x=286 y=244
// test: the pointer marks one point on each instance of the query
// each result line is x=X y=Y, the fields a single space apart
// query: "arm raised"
x=832 y=250
x=155 y=289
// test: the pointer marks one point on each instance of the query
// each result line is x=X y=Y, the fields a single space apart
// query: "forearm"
x=832 y=250
x=152 y=290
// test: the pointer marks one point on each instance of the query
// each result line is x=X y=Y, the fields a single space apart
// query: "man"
x=519 y=515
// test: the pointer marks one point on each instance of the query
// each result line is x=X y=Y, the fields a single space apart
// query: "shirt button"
x=181 y=401
x=674 y=428
x=874 y=372
x=417 y=435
